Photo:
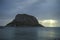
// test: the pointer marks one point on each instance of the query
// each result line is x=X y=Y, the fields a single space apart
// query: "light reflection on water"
x=49 y=34
x=29 y=33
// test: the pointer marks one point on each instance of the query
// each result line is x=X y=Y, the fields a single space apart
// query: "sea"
x=30 y=33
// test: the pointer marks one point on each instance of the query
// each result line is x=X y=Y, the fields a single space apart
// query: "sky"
x=41 y=9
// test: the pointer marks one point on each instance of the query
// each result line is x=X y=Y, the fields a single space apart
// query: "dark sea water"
x=29 y=33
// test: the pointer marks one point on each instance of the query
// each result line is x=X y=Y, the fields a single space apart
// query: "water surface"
x=29 y=33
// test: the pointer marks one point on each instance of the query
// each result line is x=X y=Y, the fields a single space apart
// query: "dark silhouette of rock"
x=24 y=20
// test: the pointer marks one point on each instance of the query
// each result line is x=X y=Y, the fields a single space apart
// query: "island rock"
x=24 y=20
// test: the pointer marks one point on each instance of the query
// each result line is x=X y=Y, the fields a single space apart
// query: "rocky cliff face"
x=24 y=20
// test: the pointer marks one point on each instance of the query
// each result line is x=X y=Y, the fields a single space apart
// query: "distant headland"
x=24 y=20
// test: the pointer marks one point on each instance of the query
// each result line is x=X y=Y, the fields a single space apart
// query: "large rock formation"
x=24 y=20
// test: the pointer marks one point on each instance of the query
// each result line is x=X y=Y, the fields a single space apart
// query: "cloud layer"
x=43 y=9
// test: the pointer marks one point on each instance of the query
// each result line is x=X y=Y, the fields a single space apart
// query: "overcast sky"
x=41 y=9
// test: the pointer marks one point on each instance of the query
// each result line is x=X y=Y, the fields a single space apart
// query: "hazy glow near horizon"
x=48 y=23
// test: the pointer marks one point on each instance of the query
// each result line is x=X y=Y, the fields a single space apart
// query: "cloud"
x=43 y=9
x=11 y=7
